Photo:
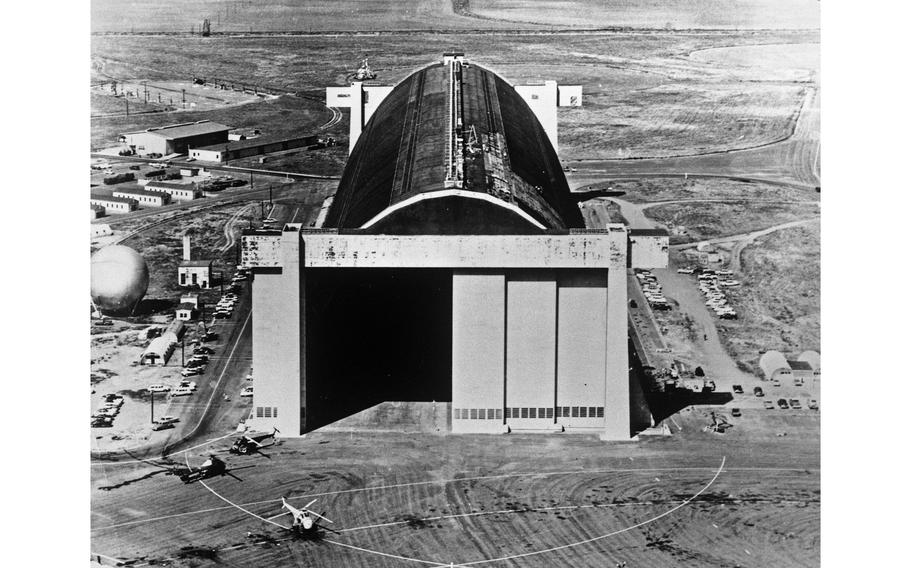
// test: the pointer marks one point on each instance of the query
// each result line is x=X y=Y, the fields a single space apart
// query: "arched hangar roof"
x=394 y=181
x=771 y=362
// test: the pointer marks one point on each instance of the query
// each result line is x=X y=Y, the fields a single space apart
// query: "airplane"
x=305 y=525
x=248 y=444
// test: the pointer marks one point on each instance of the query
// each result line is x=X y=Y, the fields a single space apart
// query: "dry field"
x=779 y=306
x=669 y=189
x=645 y=96
x=708 y=220
x=281 y=15
x=692 y=14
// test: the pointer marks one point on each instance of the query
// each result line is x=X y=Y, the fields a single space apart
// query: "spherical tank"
x=120 y=278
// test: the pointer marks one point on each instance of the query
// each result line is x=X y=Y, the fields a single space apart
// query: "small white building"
x=192 y=299
x=195 y=273
x=144 y=197
x=186 y=312
x=101 y=230
x=114 y=205
x=176 y=191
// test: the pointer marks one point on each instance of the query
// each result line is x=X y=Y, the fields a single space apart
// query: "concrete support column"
x=278 y=341
x=616 y=401
x=356 y=114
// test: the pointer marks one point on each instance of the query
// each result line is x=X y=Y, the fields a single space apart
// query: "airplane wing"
x=252 y=441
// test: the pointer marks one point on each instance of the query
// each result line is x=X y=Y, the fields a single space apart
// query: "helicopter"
x=250 y=443
x=212 y=467
x=305 y=522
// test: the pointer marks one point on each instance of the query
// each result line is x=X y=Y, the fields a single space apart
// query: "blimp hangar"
x=452 y=264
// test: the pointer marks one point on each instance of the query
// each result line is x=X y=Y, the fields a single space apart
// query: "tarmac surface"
x=746 y=498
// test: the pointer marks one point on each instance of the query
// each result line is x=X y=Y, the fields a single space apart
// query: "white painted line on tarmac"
x=445 y=481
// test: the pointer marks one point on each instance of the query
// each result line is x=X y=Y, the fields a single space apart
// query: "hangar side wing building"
x=452 y=265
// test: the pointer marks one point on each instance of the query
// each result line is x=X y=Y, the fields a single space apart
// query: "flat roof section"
x=185 y=129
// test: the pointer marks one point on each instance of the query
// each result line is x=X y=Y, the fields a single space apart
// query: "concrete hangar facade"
x=451 y=265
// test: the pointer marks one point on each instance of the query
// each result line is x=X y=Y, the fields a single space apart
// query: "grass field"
x=667 y=189
x=360 y=15
x=707 y=220
x=692 y=14
x=644 y=95
x=780 y=307
x=281 y=15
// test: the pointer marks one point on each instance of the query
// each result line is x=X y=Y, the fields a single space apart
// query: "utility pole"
x=251 y=179
x=127 y=105
x=182 y=351
x=270 y=197
x=183 y=94
x=153 y=405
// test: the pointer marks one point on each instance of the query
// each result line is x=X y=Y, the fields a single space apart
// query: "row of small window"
x=523 y=412
x=478 y=413
x=266 y=412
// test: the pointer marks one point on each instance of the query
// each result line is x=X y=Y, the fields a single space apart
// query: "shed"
x=774 y=365
x=186 y=312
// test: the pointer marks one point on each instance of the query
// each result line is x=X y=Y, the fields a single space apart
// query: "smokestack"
x=186 y=248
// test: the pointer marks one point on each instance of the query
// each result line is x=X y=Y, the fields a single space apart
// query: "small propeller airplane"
x=250 y=443
x=305 y=521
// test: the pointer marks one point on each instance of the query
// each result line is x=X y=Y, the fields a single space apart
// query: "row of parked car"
x=104 y=416
x=712 y=284
x=783 y=403
x=652 y=290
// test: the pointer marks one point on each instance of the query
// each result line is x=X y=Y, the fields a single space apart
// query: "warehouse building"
x=176 y=191
x=97 y=212
x=249 y=147
x=175 y=138
x=114 y=205
x=453 y=265
x=143 y=196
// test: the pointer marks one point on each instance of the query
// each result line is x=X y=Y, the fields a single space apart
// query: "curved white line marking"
x=502 y=558
x=442 y=193
x=444 y=481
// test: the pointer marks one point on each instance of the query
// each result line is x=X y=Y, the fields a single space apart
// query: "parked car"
x=782 y=402
x=758 y=391
x=247 y=391
x=775 y=382
x=203 y=350
x=685 y=270
x=159 y=388
x=210 y=336
x=813 y=404
x=190 y=371
x=794 y=404
x=163 y=426
x=182 y=391
x=188 y=384
x=738 y=389
x=165 y=419
x=736 y=412
x=769 y=405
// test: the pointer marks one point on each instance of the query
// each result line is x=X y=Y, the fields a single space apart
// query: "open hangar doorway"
x=375 y=335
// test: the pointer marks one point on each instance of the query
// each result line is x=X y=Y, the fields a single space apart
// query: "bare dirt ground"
x=163 y=96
